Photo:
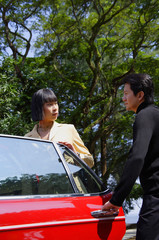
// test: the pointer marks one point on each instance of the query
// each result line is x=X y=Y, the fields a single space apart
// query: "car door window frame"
x=82 y=163
x=66 y=168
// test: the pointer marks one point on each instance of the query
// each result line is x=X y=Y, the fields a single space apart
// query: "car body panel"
x=40 y=218
x=58 y=216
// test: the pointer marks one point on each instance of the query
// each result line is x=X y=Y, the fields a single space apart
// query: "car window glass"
x=85 y=181
x=30 y=167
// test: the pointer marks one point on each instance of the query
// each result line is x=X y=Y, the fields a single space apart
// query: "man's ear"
x=141 y=96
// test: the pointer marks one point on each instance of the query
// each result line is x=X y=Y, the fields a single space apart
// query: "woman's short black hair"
x=39 y=98
x=141 y=82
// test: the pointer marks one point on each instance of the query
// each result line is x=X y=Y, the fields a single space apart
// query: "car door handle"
x=100 y=213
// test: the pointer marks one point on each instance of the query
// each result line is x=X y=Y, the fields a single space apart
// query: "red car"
x=48 y=192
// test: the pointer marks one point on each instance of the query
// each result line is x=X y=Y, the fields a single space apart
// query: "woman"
x=45 y=110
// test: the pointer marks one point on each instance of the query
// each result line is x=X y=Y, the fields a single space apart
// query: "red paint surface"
x=58 y=218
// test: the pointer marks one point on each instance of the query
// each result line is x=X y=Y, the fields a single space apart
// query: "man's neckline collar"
x=141 y=106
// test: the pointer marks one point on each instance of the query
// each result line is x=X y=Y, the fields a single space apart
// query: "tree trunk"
x=103 y=155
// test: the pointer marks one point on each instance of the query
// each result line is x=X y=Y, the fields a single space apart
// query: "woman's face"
x=50 y=111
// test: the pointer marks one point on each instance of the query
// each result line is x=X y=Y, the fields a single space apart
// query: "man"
x=143 y=160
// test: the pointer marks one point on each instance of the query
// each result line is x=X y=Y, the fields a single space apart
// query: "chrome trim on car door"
x=56 y=223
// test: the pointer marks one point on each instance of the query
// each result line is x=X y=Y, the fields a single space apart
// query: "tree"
x=83 y=50
x=16 y=22
x=89 y=50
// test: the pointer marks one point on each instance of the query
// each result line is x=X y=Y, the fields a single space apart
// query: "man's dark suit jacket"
x=143 y=160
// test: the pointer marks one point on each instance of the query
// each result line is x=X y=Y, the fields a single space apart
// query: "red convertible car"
x=48 y=192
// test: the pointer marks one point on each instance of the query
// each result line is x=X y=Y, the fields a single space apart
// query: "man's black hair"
x=141 y=82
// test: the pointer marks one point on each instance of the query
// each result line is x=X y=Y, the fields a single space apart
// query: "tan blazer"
x=66 y=133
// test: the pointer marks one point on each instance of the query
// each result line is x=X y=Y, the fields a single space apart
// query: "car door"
x=47 y=192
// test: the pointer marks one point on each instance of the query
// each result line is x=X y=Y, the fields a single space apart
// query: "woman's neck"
x=44 y=129
x=45 y=125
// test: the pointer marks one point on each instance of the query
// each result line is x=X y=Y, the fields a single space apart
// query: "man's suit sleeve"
x=142 y=133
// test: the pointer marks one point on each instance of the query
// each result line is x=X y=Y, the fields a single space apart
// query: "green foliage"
x=82 y=49
x=135 y=194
